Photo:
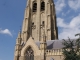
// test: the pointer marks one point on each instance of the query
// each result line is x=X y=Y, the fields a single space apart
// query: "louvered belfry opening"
x=42 y=6
x=34 y=7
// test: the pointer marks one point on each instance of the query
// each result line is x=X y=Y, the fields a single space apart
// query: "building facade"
x=38 y=39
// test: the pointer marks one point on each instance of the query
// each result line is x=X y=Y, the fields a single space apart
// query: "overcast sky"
x=12 y=14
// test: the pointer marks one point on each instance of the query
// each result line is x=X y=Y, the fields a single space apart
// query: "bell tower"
x=39 y=14
x=40 y=24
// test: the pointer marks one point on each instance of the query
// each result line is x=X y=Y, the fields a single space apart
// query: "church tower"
x=39 y=14
x=39 y=25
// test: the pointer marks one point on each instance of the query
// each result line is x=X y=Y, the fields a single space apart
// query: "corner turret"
x=18 y=46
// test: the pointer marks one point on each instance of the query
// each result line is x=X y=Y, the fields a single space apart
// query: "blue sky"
x=12 y=14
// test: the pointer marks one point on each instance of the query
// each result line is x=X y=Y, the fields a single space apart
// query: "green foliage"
x=71 y=49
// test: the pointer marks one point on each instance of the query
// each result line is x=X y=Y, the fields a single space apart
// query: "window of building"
x=34 y=7
x=42 y=6
x=29 y=55
x=32 y=23
x=43 y=23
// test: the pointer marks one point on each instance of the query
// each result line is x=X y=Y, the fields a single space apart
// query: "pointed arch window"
x=29 y=54
x=42 y=6
x=34 y=7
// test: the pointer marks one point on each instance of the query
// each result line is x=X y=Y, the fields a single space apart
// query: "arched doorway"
x=29 y=54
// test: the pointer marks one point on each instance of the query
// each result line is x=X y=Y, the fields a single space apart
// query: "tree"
x=71 y=49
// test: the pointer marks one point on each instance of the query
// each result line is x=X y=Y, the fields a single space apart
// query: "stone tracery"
x=29 y=55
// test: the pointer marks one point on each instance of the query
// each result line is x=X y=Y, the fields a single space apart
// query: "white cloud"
x=5 y=31
x=68 y=32
x=61 y=23
x=75 y=23
x=63 y=14
x=74 y=4
x=60 y=4
x=69 y=29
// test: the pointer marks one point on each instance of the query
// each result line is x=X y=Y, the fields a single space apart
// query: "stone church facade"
x=38 y=39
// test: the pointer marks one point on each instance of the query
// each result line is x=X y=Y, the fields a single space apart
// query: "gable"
x=30 y=43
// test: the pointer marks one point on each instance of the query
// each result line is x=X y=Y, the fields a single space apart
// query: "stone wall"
x=56 y=57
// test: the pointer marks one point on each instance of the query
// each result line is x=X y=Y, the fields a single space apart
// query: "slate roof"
x=53 y=44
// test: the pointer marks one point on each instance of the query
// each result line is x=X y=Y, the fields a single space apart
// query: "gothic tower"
x=39 y=14
x=39 y=22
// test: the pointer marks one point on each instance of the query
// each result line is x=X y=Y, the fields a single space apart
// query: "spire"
x=19 y=35
x=18 y=40
x=18 y=46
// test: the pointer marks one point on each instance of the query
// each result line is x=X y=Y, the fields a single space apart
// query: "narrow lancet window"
x=34 y=7
x=32 y=23
x=43 y=23
x=42 y=6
